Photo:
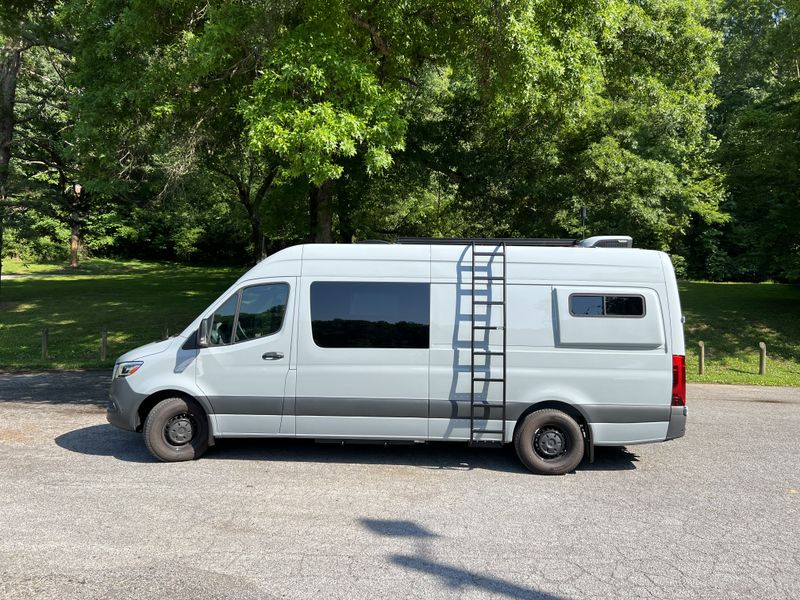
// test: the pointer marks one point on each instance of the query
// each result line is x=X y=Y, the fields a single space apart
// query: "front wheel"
x=176 y=429
x=549 y=442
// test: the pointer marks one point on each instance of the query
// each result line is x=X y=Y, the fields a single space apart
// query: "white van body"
x=614 y=373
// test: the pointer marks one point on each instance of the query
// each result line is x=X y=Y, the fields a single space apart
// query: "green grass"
x=137 y=301
x=94 y=266
x=731 y=319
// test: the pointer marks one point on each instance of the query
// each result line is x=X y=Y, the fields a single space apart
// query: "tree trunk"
x=346 y=234
x=256 y=228
x=74 y=241
x=75 y=221
x=257 y=237
x=10 y=54
x=321 y=213
x=2 y=231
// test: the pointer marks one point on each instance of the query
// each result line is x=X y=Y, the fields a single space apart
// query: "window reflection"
x=370 y=314
x=261 y=310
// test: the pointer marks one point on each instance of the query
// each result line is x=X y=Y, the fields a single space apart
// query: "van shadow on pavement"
x=105 y=440
x=423 y=560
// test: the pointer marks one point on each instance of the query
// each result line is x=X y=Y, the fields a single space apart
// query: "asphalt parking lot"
x=86 y=513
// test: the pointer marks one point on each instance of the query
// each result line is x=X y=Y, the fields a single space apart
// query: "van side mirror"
x=202 y=333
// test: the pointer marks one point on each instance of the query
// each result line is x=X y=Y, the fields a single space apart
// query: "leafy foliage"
x=210 y=131
x=758 y=120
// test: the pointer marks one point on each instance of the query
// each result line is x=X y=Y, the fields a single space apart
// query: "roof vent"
x=607 y=241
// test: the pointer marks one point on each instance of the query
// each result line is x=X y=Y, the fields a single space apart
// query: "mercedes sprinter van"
x=555 y=346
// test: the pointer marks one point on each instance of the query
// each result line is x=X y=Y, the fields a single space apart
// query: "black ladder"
x=482 y=409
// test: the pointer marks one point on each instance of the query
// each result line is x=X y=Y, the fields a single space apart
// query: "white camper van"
x=555 y=346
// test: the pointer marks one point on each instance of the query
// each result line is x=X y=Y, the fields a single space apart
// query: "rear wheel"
x=176 y=429
x=549 y=442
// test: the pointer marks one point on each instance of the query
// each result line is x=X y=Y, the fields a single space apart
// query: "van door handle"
x=272 y=355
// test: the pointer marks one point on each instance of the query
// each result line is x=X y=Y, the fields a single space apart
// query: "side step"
x=487 y=444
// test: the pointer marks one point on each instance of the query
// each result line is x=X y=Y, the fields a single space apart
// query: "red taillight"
x=678 y=380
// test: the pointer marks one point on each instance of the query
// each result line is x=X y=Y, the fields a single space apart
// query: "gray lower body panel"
x=593 y=413
x=247 y=405
x=362 y=407
x=677 y=422
x=123 y=405
x=419 y=408
x=402 y=418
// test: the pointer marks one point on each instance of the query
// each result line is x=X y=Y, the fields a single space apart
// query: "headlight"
x=124 y=369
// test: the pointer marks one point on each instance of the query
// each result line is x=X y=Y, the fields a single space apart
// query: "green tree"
x=26 y=26
x=758 y=122
x=160 y=85
x=616 y=122
x=378 y=118
x=46 y=181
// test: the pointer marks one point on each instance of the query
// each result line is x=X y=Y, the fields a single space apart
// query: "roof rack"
x=490 y=241
x=597 y=241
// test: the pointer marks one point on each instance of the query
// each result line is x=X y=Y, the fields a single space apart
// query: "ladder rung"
x=487 y=431
x=491 y=327
x=488 y=254
x=488 y=278
x=489 y=302
x=488 y=404
x=488 y=379
x=487 y=353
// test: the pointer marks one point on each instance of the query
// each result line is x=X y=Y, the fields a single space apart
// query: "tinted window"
x=261 y=310
x=581 y=305
x=586 y=305
x=222 y=323
x=370 y=315
x=624 y=306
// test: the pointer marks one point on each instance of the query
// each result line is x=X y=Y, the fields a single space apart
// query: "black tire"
x=176 y=429
x=549 y=442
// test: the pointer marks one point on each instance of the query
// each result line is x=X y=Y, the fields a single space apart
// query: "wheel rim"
x=180 y=429
x=550 y=442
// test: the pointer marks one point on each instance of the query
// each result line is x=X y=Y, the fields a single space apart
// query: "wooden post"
x=103 y=344
x=762 y=358
x=701 y=353
x=45 y=352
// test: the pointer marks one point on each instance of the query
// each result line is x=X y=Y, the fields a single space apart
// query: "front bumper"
x=123 y=405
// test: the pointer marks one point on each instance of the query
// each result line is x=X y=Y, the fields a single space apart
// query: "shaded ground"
x=87 y=513
x=56 y=387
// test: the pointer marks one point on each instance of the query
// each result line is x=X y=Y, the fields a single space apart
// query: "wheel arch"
x=573 y=410
x=150 y=401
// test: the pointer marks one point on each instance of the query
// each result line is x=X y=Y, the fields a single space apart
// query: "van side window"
x=370 y=314
x=587 y=305
x=624 y=306
x=260 y=313
x=222 y=324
